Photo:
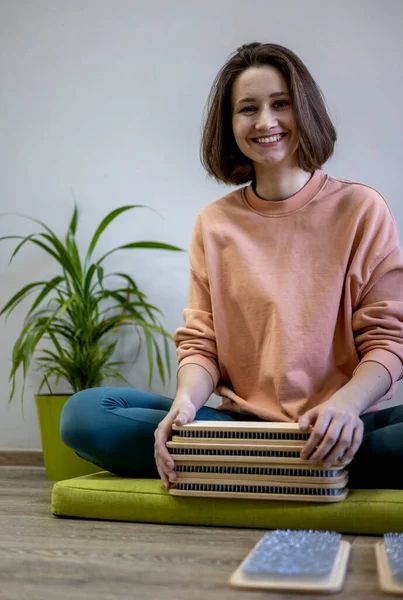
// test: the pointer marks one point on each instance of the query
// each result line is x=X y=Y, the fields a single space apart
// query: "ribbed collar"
x=289 y=205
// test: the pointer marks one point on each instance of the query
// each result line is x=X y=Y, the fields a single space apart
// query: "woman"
x=295 y=306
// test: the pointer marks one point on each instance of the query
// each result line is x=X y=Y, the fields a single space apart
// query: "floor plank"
x=50 y=558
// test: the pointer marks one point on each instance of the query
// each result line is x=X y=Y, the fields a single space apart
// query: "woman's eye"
x=281 y=103
x=247 y=109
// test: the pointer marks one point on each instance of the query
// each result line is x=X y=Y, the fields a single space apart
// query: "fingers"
x=164 y=461
x=306 y=419
x=356 y=441
x=164 y=471
x=316 y=436
x=333 y=439
x=331 y=450
x=183 y=417
x=162 y=475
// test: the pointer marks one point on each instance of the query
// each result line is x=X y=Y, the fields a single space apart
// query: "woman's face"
x=261 y=109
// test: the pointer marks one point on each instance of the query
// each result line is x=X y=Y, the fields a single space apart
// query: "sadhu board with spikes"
x=336 y=478
x=260 y=460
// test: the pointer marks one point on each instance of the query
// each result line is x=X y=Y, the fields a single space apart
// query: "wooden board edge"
x=21 y=457
x=260 y=496
x=386 y=581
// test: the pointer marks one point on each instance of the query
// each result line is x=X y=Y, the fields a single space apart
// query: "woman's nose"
x=266 y=120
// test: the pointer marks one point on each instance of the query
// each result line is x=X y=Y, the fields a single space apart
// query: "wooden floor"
x=43 y=557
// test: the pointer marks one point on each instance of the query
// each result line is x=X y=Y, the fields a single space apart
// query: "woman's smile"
x=269 y=141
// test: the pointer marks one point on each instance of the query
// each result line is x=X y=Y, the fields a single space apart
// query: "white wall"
x=104 y=100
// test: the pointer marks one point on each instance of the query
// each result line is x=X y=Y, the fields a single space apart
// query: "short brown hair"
x=220 y=155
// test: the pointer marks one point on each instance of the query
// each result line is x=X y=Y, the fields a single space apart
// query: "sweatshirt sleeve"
x=378 y=296
x=196 y=340
x=378 y=321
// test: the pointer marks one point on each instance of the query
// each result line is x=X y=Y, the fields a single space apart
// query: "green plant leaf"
x=11 y=237
x=74 y=220
x=104 y=224
x=60 y=253
x=167 y=357
x=88 y=278
x=130 y=281
x=43 y=381
x=71 y=244
x=144 y=245
x=147 y=307
x=74 y=256
x=26 y=343
x=67 y=262
x=159 y=362
x=124 y=304
x=132 y=289
x=149 y=341
x=114 y=373
x=28 y=238
x=21 y=295
x=48 y=287
x=100 y=274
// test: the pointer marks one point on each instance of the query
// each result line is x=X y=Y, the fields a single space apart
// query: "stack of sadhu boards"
x=258 y=460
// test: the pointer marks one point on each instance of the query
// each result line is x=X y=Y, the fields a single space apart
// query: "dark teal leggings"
x=113 y=428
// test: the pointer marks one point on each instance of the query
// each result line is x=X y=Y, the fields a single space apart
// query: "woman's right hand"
x=182 y=413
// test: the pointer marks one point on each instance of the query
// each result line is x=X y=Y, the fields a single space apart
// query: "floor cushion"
x=108 y=497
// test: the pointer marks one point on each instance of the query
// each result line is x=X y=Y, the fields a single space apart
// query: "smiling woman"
x=264 y=90
x=263 y=120
x=295 y=310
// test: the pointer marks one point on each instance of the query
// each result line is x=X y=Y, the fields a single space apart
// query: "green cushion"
x=106 y=496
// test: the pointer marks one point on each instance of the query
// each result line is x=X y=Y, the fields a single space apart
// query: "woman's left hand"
x=336 y=435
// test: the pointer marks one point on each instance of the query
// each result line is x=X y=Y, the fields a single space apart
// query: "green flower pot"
x=61 y=462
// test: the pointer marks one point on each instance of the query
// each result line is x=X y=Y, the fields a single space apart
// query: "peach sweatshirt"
x=287 y=298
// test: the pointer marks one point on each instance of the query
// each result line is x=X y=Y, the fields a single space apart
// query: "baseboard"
x=21 y=457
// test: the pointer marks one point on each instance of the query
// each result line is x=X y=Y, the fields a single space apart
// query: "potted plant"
x=71 y=329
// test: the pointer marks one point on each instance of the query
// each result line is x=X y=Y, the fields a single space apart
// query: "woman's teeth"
x=268 y=140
